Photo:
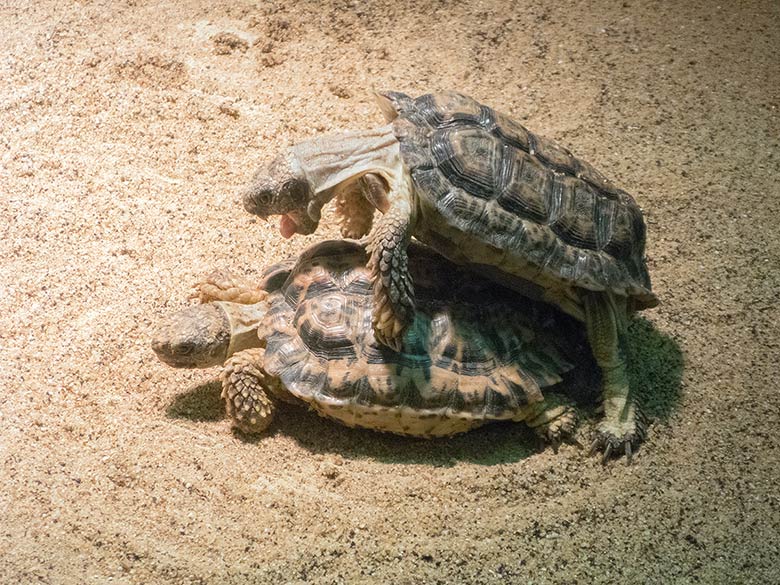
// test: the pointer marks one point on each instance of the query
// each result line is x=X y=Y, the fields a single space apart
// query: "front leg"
x=248 y=391
x=393 y=287
x=355 y=212
x=223 y=285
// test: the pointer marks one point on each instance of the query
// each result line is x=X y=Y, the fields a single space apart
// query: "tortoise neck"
x=244 y=322
x=328 y=161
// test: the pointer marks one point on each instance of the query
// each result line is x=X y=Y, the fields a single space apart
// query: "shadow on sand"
x=655 y=369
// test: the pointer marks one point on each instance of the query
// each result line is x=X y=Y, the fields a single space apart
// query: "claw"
x=607 y=453
x=594 y=447
x=393 y=343
x=629 y=453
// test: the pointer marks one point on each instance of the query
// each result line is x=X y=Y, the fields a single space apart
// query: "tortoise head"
x=206 y=335
x=278 y=189
x=195 y=337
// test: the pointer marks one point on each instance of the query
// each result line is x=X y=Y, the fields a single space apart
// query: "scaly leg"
x=248 y=389
x=223 y=285
x=623 y=425
x=393 y=287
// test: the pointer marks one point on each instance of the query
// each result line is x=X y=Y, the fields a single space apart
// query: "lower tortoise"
x=472 y=355
x=481 y=190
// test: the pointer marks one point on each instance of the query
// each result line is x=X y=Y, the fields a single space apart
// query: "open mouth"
x=288 y=226
x=296 y=222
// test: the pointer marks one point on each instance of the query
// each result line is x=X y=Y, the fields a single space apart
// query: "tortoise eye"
x=186 y=348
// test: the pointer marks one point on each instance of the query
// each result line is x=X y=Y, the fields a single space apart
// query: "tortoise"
x=473 y=354
x=481 y=190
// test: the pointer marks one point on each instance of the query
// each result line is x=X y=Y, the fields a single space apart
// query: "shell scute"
x=508 y=130
x=528 y=189
x=325 y=326
x=447 y=108
x=470 y=158
x=576 y=224
x=555 y=156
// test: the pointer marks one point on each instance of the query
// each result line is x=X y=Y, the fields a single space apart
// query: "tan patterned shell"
x=487 y=180
x=471 y=355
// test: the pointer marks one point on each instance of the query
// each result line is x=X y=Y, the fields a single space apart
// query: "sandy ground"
x=126 y=129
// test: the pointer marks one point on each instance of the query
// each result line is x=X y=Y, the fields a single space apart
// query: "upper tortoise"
x=483 y=190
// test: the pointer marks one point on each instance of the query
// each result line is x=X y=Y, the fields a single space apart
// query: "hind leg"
x=249 y=391
x=623 y=425
x=553 y=420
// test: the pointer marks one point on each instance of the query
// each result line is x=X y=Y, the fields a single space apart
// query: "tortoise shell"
x=471 y=355
x=536 y=210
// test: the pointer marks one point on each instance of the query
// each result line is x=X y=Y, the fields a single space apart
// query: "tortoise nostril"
x=248 y=199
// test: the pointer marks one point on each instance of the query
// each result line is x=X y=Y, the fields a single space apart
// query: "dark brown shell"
x=490 y=178
x=472 y=351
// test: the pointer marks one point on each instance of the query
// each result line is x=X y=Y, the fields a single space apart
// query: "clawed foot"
x=389 y=330
x=223 y=285
x=555 y=425
x=355 y=205
x=618 y=439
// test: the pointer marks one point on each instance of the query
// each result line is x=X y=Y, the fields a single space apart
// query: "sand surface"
x=126 y=130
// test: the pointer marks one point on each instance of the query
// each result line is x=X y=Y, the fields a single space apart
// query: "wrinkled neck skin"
x=244 y=321
x=328 y=163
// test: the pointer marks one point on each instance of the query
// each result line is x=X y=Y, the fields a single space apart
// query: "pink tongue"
x=287 y=226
